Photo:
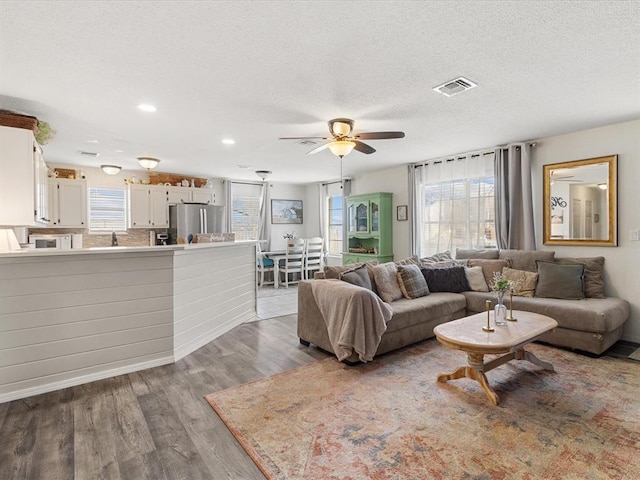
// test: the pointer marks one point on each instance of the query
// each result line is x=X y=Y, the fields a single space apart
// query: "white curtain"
x=439 y=223
x=264 y=228
x=514 y=203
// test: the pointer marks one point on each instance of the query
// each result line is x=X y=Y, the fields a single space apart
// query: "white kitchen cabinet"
x=68 y=202
x=204 y=195
x=177 y=195
x=23 y=182
x=148 y=206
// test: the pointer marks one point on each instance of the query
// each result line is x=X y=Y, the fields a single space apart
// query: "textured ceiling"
x=256 y=71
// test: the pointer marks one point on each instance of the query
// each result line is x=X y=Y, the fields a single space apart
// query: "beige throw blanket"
x=355 y=317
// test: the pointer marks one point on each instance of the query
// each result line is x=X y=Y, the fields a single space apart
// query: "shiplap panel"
x=212 y=294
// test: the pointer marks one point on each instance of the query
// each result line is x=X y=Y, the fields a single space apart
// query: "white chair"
x=293 y=262
x=313 y=256
x=263 y=265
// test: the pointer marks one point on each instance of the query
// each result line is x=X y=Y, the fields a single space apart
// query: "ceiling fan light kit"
x=340 y=148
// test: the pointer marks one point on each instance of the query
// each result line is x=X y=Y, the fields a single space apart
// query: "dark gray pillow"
x=451 y=279
x=560 y=281
x=593 y=274
x=357 y=276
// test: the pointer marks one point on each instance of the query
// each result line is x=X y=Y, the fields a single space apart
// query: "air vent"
x=453 y=87
x=89 y=154
x=307 y=142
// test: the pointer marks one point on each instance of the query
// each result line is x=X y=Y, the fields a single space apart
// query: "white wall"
x=284 y=191
x=622 y=263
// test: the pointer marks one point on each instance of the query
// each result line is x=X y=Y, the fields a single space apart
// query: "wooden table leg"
x=473 y=371
x=458 y=373
x=522 y=354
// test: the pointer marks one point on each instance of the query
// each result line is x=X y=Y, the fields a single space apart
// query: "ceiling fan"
x=563 y=178
x=343 y=141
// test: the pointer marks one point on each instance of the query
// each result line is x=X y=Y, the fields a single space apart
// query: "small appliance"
x=162 y=239
x=60 y=241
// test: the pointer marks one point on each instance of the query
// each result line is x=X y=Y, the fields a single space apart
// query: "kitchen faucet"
x=114 y=239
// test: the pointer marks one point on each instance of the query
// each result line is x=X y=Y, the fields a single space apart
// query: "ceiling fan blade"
x=379 y=135
x=363 y=147
x=303 y=138
x=318 y=149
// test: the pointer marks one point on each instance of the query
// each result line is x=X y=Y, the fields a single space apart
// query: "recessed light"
x=228 y=141
x=244 y=167
x=93 y=141
x=119 y=151
x=145 y=107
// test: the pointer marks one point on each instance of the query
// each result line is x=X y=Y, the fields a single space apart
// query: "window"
x=245 y=210
x=335 y=225
x=456 y=207
x=107 y=210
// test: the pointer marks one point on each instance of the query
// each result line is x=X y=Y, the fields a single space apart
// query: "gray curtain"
x=514 y=202
x=414 y=194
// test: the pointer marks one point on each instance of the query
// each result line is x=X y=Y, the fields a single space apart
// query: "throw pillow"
x=593 y=274
x=524 y=282
x=412 y=282
x=559 y=281
x=357 y=276
x=386 y=280
x=437 y=257
x=446 y=263
x=334 y=271
x=476 y=280
x=414 y=260
x=491 y=253
x=452 y=279
x=526 y=259
x=489 y=267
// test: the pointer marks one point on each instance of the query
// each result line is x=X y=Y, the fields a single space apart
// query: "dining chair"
x=313 y=256
x=263 y=264
x=293 y=261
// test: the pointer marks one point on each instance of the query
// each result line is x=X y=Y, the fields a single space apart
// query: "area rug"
x=391 y=420
x=635 y=355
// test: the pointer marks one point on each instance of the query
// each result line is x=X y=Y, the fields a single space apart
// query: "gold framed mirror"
x=580 y=205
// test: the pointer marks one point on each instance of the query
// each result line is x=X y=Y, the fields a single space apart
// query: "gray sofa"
x=590 y=325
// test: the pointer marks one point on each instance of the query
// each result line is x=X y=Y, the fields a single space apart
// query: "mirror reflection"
x=579 y=202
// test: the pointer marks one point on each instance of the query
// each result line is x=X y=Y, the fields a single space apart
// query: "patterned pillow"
x=524 y=282
x=357 y=276
x=414 y=260
x=412 y=282
x=437 y=257
x=386 y=280
x=451 y=279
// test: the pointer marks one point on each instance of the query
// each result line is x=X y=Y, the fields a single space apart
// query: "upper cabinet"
x=369 y=228
x=23 y=182
x=148 y=206
x=68 y=202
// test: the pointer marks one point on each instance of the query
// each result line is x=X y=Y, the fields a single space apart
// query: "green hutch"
x=369 y=228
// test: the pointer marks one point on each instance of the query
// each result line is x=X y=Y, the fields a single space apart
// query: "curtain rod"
x=462 y=157
x=337 y=181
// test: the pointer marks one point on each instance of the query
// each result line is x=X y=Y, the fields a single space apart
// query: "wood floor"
x=153 y=424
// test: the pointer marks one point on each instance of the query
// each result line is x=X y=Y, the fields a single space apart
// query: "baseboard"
x=72 y=382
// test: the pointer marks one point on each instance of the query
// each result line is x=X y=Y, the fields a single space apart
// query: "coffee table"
x=466 y=334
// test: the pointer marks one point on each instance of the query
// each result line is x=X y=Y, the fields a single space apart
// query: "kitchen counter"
x=74 y=316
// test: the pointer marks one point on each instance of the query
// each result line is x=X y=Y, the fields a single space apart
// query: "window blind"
x=107 y=210
x=245 y=210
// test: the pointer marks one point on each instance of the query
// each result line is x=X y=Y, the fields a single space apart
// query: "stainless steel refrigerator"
x=188 y=219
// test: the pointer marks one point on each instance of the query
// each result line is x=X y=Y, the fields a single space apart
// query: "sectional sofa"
x=590 y=324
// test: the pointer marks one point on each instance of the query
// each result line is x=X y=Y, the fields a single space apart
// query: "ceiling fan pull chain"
x=341 y=177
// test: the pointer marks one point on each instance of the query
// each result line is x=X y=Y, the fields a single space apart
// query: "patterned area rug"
x=391 y=420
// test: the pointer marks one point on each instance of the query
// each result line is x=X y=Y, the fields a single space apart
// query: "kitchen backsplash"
x=138 y=237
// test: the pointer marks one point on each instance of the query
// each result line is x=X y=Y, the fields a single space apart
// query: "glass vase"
x=500 y=311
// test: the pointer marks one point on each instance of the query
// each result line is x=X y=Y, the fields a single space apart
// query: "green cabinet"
x=369 y=228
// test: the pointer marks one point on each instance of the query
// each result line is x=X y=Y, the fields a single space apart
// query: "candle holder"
x=511 y=318
x=488 y=327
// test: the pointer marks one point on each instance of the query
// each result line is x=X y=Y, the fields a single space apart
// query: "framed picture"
x=286 y=211
x=401 y=213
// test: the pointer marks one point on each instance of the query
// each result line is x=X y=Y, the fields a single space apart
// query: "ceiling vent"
x=306 y=141
x=454 y=87
x=89 y=154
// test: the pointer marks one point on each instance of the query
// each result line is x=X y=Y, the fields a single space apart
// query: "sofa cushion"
x=524 y=282
x=357 y=276
x=593 y=274
x=526 y=259
x=412 y=282
x=491 y=253
x=560 y=281
x=489 y=268
x=433 y=307
x=436 y=257
x=452 y=279
x=386 y=280
x=334 y=271
x=587 y=315
x=476 y=280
